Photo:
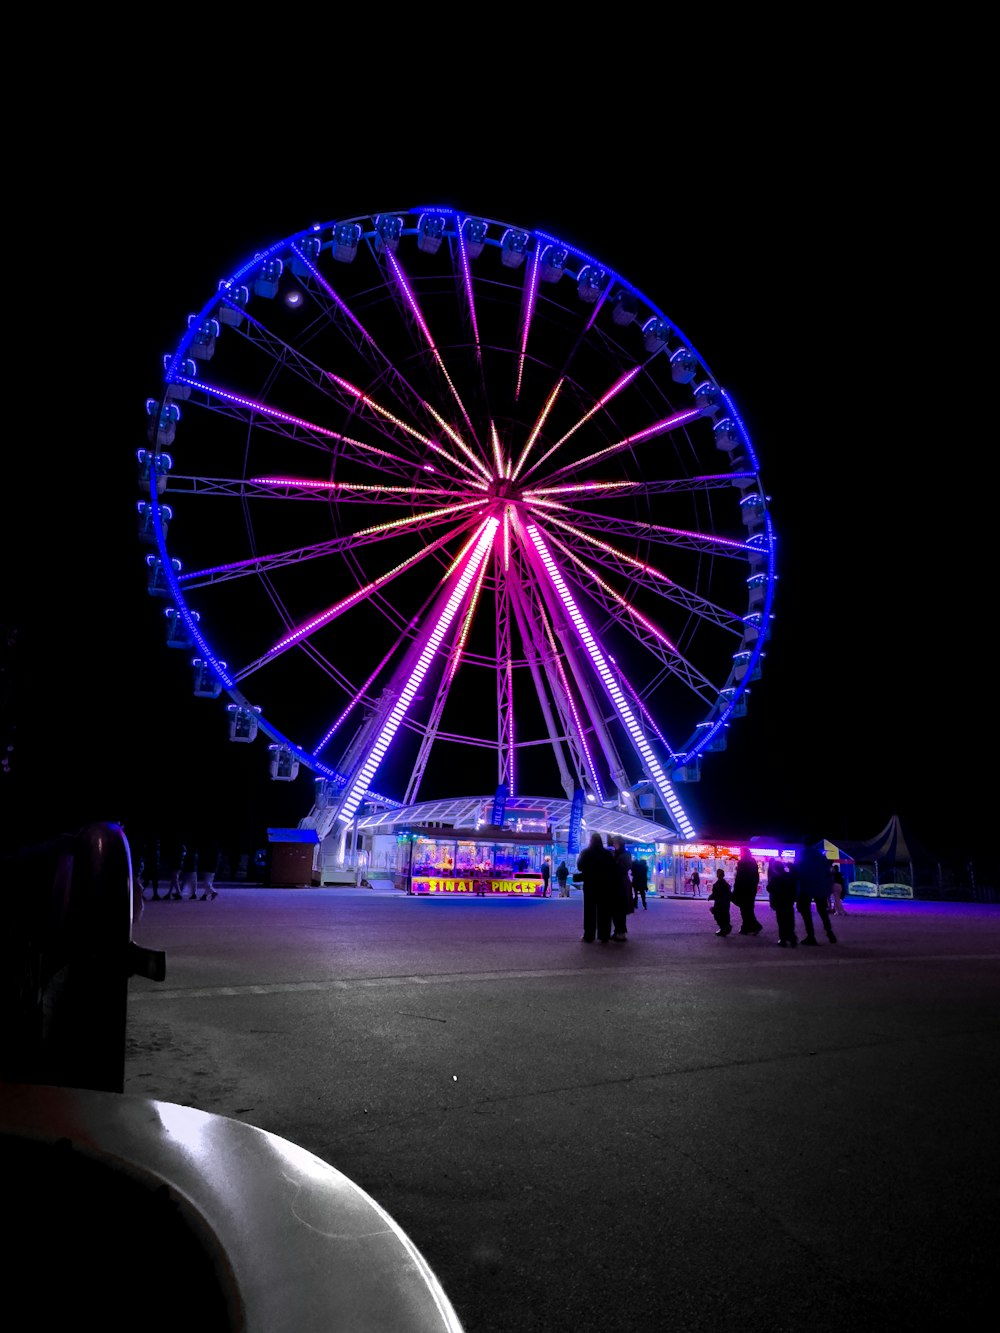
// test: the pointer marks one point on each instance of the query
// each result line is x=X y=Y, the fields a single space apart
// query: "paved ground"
x=679 y=1133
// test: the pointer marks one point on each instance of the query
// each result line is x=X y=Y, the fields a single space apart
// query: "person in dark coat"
x=781 y=892
x=745 y=883
x=814 y=887
x=623 y=903
x=546 y=872
x=640 y=880
x=595 y=869
x=720 y=898
x=562 y=879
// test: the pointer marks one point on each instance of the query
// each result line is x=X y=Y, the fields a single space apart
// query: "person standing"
x=622 y=904
x=696 y=883
x=781 y=892
x=546 y=872
x=209 y=856
x=640 y=881
x=595 y=869
x=745 y=883
x=176 y=852
x=151 y=868
x=814 y=887
x=839 y=889
x=562 y=879
x=720 y=898
x=189 y=874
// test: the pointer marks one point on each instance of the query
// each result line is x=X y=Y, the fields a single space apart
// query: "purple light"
x=528 y=310
x=415 y=310
x=611 y=685
x=402 y=705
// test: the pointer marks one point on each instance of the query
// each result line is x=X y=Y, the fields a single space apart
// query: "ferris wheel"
x=437 y=502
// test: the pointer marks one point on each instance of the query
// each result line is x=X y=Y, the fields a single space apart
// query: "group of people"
x=613 y=886
x=791 y=886
x=189 y=871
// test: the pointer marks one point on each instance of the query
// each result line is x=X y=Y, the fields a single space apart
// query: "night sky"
x=791 y=272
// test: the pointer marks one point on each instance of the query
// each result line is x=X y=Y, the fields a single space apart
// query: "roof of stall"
x=467 y=812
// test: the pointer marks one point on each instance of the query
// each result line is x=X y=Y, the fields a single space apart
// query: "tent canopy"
x=890 y=847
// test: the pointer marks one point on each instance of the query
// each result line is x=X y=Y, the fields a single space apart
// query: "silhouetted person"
x=696 y=883
x=640 y=880
x=814 y=887
x=189 y=874
x=546 y=872
x=839 y=889
x=175 y=853
x=745 y=883
x=209 y=856
x=595 y=869
x=720 y=898
x=622 y=904
x=151 y=868
x=562 y=879
x=781 y=890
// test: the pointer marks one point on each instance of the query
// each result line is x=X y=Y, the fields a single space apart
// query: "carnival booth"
x=480 y=862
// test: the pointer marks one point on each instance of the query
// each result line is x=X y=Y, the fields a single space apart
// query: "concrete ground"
x=677 y=1133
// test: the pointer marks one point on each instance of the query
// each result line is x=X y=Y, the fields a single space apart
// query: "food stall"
x=479 y=862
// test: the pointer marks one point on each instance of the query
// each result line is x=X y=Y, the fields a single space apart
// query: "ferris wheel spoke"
x=319 y=621
x=644 y=575
x=478 y=470
x=386 y=722
x=409 y=298
x=640 y=530
x=657 y=428
x=432 y=730
x=263 y=417
x=634 y=731
x=609 y=394
x=379 y=532
x=364 y=342
x=643 y=630
x=549 y=678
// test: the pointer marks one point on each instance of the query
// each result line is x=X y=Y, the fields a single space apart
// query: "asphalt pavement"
x=680 y=1132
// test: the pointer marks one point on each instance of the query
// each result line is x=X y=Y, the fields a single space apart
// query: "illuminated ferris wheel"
x=441 y=503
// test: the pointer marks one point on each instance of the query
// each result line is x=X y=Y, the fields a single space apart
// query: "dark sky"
x=808 y=280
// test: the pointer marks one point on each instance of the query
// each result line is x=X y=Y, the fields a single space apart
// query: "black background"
x=811 y=255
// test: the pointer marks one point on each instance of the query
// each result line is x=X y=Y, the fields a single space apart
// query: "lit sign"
x=863 y=888
x=895 y=891
x=522 y=887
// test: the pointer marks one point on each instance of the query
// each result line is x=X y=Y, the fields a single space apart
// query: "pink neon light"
x=402 y=704
x=611 y=685
x=530 y=294
x=463 y=256
x=616 y=388
x=567 y=692
x=411 y=301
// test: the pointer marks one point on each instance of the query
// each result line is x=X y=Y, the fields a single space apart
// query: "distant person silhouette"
x=814 y=887
x=595 y=869
x=562 y=879
x=209 y=856
x=640 y=880
x=546 y=872
x=781 y=891
x=623 y=903
x=189 y=874
x=839 y=889
x=720 y=898
x=745 y=883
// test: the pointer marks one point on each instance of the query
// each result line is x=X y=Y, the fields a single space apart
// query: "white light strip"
x=402 y=705
x=611 y=686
